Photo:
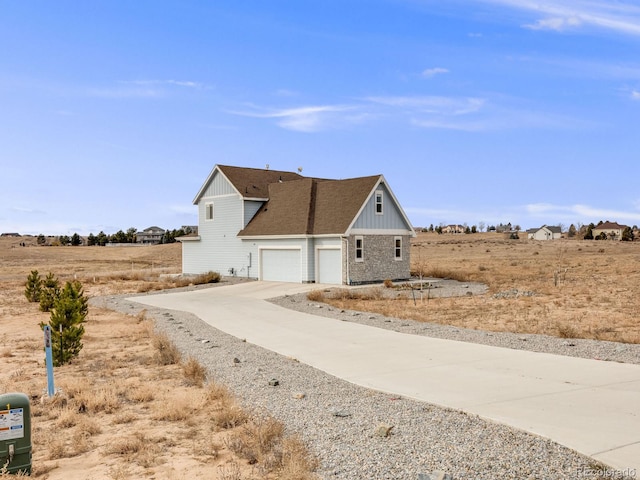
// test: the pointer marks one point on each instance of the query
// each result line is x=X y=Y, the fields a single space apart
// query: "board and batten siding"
x=218 y=186
x=391 y=218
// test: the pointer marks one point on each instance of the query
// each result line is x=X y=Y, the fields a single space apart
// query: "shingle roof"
x=610 y=226
x=254 y=182
x=311 y=207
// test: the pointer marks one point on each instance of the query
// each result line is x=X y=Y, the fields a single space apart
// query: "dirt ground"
x=119 y=413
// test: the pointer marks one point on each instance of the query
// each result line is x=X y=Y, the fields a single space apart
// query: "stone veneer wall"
x=379 y=259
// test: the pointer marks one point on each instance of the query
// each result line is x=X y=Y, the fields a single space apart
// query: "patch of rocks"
x=514 y=293
x=359 y=433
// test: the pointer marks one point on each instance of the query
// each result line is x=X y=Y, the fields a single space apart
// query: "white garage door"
x=330 y=266
x=280 y=265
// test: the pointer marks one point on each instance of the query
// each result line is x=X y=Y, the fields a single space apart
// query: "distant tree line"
x=101 y=239
x=500 y=228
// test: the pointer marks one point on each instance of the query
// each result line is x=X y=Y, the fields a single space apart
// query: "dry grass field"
x=581 y=289
x=129 y=406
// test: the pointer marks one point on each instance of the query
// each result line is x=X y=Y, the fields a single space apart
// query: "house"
x=453 y=229
x=612 y=230
x=545 y=232
x=281 y=226
x=151 y=235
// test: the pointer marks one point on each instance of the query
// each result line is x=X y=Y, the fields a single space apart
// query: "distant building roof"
x=610 y=226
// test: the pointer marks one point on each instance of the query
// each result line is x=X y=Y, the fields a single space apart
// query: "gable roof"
x=249 y=182
x=552 y=229
x=610 y=226
x=311 y=206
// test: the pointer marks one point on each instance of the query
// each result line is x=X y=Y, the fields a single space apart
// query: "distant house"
x=10 y=234
x=151 y=235
x=453 y=229
x=281 y=226
x=612 y=230
x=545 y=232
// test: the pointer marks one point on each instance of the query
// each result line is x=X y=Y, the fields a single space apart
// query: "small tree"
x=67 y=317
x=33 y=287
x=572 y=231
x=76 y=240
x=589 y=234
x=49 y=293
x=627 y=235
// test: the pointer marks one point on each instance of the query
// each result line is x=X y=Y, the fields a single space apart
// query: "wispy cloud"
x=635 y=95
x=465 y=114
x=432 y=72
x=125 y=92
x=449 y=106
x=558 y=24
x=143 y=88
x=307 y=118
x=177 y=83
x=619 y=16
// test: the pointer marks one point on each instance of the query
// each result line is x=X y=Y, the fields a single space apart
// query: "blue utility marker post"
x=49 y=360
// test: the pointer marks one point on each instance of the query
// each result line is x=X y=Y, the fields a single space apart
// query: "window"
x=398 y=248
x=379 y=202
x=208 y=211
x=359 y=249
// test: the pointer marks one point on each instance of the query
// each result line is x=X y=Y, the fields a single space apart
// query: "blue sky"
x=112 y=113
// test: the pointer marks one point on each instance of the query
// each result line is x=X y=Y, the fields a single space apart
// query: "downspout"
x=346 y=239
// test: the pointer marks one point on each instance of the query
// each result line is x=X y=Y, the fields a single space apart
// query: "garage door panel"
x=281 y=265
x=330 y=266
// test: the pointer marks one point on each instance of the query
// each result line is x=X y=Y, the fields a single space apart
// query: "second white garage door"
x=280 y=265
x=330 y=266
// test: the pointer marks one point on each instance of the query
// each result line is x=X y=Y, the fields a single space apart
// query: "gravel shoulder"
x=339 y=420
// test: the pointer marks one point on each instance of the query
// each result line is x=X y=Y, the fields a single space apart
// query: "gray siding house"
x=545 y=232
x=151 y=235
x=281 y=226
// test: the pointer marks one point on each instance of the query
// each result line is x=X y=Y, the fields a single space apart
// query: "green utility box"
x=15 y=433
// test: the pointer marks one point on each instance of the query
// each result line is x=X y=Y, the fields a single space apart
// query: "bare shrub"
x=230 y=415
x=297 y=462
x=103 y=399
x=387 y=283
x=166 y=352
x=567 y=331
x=208 y=277
x=194 y=373
x=316 y=296
x=256 y=440
x=142 y=393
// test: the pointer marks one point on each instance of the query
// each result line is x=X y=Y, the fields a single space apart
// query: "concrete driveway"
x=590 y=406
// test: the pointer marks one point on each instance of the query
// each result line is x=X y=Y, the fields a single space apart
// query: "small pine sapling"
x=33 y=287
x=67 y=318
x=50 y=292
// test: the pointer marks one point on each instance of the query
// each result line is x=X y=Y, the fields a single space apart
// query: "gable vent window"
x=359 y=249
x=379 y=202
x=398 y=248
x=208 y=209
